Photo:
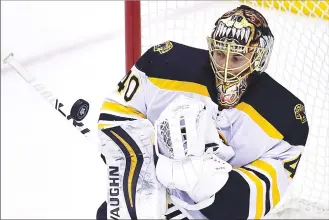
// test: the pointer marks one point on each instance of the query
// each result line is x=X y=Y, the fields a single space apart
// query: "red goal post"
x=132 y=32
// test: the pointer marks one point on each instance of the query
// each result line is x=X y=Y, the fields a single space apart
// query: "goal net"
x=299 y=61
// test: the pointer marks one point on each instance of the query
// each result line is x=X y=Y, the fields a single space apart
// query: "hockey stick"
x=79 y=110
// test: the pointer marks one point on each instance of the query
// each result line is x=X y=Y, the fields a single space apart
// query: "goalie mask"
x=240 y=44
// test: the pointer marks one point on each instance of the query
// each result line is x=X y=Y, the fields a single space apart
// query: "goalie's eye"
x=220 y=54
x=238 y=57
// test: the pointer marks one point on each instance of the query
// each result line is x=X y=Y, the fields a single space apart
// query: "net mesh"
x=299 y=61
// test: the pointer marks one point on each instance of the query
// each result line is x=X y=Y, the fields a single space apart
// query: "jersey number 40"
x=130 y=83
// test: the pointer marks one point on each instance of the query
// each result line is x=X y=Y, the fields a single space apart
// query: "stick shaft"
x=44 y=92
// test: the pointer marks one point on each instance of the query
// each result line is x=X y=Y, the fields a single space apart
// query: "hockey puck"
x=79 y=110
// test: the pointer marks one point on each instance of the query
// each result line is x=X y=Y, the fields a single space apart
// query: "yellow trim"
x=116 y=107
x=269 y=169
x=181 y=86
x=269 y=129
x=167 y=202
x=133 y=164
x=259 y=192
x=223 y=137
x=314 y=8
x=101 y=126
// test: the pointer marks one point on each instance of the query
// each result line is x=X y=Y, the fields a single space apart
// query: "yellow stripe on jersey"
x=267 y=127
x=260 y=192
x=116 y=107
x=181 y=86
x=101 y=126
x=269 y=169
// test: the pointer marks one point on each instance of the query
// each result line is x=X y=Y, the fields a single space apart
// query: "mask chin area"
x=229 y=94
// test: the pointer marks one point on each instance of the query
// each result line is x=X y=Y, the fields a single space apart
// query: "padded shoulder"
x=174 y=61
x=278 y=106
x=171 y=60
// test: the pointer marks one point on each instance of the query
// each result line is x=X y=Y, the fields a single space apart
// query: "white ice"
x=76 y=49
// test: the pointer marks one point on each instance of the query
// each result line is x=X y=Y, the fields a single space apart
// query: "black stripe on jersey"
x=173 y=214
x=211 y=145
x=268 y=188
x=232 y=201
x=109 y=117
x=139 y=162
x=276 y=104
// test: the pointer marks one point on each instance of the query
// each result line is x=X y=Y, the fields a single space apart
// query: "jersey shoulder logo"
x=163 y=47
x=300 y=113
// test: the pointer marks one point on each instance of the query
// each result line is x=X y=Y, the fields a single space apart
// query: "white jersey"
x=267 y=129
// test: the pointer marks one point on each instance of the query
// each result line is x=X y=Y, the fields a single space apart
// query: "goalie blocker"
x=128 y=153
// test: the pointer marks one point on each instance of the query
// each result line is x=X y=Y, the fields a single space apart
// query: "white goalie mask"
x=240 y=44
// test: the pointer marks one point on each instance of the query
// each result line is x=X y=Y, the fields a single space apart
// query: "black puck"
x=79 y=110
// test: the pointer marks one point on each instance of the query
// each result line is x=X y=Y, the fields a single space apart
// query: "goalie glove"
x=182 y=131
x=200 y=177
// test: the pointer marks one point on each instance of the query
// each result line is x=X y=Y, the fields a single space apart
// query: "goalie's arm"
x=253 y=190
x=129 y=100
x=126 y=102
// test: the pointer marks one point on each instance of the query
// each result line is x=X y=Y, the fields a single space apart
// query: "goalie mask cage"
x=299 y=61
